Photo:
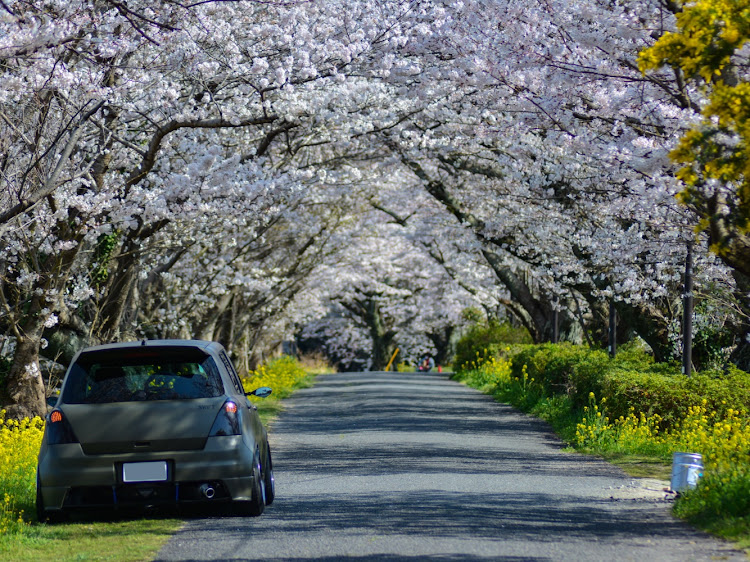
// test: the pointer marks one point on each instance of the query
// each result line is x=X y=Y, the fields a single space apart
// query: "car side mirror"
x=262 y=392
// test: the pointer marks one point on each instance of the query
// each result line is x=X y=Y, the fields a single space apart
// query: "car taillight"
x=228 y=421
x=59 y=430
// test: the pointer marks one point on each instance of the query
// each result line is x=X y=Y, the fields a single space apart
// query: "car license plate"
x=144 y=471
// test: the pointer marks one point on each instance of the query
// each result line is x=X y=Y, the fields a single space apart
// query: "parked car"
x=151 y=423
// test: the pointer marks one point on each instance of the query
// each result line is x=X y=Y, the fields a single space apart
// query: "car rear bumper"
x=70 y=479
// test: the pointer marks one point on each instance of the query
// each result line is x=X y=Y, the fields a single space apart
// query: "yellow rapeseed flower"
x=19 y=446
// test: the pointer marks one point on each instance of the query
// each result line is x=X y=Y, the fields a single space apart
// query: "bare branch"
x=50 y=184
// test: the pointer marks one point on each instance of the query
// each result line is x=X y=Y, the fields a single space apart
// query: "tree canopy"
x=361 y=172
x=709 y=48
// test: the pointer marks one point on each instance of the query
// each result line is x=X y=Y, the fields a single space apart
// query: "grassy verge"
x=641 y=442
x=284 y=375
x=129 y=540
x=121 y=539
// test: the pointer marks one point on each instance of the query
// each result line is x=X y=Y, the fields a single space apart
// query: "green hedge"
x=630 y=380
x=560 y=368
x=484 y=340
x=671 y=394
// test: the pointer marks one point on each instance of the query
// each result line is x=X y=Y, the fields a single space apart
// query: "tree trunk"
x=207 y=330
x=734 y=250
x=121 y=290
x=382 y=350
x=115 y=302
x=25 y=386
x=540 y=311
x=226 y=326
x=382 y=337
x=441 y=340
x=741 y=354
x=653 y=327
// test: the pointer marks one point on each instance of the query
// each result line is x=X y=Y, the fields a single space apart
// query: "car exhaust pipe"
x=207 y=490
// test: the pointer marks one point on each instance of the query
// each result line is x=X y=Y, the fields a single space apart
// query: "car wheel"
x=257 y=504
x=268 y=478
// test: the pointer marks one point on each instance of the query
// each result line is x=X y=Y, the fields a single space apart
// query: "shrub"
x=485 y=340
x=488 y=374
x=561 y=368
x=282 y=374
x=19 y=447
x=671 y=394
x=721 y=503
x=630 y=380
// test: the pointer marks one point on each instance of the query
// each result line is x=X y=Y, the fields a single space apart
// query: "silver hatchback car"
x=152 y=423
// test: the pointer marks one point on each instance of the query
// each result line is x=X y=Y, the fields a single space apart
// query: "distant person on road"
x=427 y=364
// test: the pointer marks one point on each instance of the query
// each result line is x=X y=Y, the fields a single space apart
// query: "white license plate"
x=144 y=471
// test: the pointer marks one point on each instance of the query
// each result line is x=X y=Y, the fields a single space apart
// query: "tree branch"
x=149 y=158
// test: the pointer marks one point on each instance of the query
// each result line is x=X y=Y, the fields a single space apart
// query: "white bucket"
x=687 y=469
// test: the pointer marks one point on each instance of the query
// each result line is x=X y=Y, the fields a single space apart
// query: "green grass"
x=639 y=465
x=126 y=540
x=269 y=409
x=720 y=506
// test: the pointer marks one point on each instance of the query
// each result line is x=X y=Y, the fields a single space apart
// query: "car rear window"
x=132 y=375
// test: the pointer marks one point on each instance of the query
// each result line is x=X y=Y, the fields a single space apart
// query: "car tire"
x=268 y=478
x=257 y=504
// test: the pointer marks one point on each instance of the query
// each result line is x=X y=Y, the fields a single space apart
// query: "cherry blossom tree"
x=240 y=170
x=385 y=293
x=553 y=149
x=115 y=99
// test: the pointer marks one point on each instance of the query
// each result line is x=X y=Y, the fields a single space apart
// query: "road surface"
x=407 y=466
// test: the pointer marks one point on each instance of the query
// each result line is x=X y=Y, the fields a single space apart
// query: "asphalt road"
x=397 y=467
